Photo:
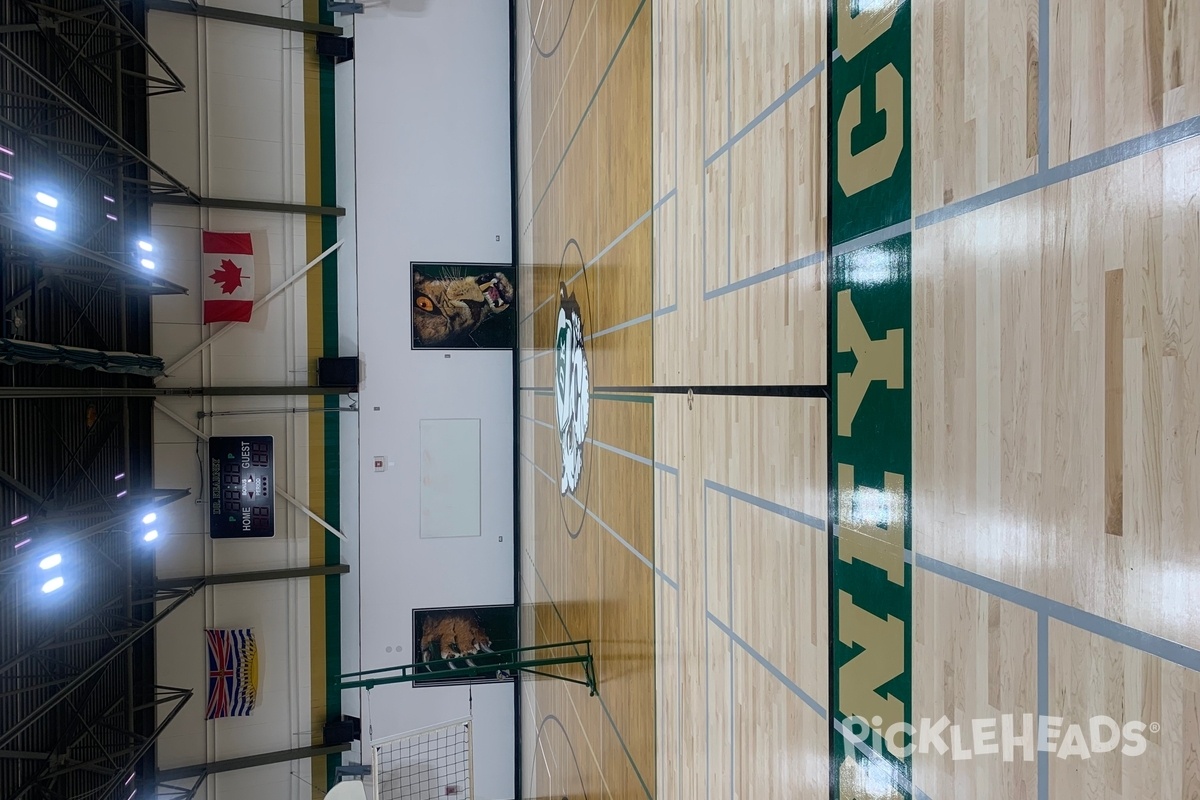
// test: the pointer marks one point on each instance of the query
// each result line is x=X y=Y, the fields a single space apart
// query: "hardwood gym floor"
x=934 y=287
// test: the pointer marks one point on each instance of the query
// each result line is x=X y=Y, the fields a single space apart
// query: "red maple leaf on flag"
x=229 y=276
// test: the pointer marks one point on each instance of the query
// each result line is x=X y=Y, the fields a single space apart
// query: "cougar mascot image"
x=459 y=635
x=446 y=311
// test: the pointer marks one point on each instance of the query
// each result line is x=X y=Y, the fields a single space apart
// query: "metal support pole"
x=257 y=304
x=199 y=434
x=245 y=762
x=258 y=575
x=58 y=94
x=270 y=206
x=310 y=513
x=244 y=17
x=27 y=392
x=20 y=727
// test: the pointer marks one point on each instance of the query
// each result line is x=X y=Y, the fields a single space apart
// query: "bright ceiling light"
x=48 y=200
x=147 y=263
x=49 y=562
x=142 y=243
x=52 y=584
x=150 y=536
x=45 y=223
x=146 y=520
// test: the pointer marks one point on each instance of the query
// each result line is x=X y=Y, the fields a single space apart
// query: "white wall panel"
x=432 y=123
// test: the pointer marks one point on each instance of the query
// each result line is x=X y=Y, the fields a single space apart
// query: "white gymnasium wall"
x=237 y=132
x=432 y=120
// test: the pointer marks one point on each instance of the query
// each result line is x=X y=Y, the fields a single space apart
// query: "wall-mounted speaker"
x=338 y=372
x=339 y=48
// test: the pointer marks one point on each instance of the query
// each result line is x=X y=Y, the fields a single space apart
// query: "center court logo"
x=572 y=389
x=1006 y=737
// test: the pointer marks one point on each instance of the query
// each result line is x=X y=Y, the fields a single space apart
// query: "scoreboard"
x=241 y=487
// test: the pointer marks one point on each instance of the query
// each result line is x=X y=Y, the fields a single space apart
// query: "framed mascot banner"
x=241 y=472
x=463 y=306
x=465 y=636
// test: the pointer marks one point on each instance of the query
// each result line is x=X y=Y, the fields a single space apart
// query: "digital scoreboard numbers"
x=242 y=487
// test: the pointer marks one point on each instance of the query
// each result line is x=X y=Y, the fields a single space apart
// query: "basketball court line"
x=586 y=111
x=1105 y=157
x=607 y=528
x=596 y=258
x=599 y=694
x=562 y=87
x=775 y=105
x=774 y=272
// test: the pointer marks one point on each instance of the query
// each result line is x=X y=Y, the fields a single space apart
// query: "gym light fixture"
x=51 y=561
x=53 y=584
x=142 y=243
x=147 y=263
x=48 y=200
x=45 y=223
x=146 y=520
x=150 y=536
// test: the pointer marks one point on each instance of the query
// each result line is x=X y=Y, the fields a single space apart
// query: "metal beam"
x=21 y=489
x=246 y=762
x=20 y=727
x=244 y=17
x=245 y=205
x=255 y=576
x=58 y=94
x=308 y=512
x=137 y=504
x=140 y=275
x=28 y=392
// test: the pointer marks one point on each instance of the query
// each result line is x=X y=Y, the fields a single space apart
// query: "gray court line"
x=1109 y=156
x=1043 y=106
x=662 y=200
x=707 y=646
x=774 y=272
x=732 y=683
x=620 y=237
x=599 y=696
x=729 y=195
x=586 y=111
x=873 y=238
x=775 y=508
x=620 y=326
x=768 y=111
x=788 y=683
x=1118 y=632
x=675 y=304
x=614 y=449
x=536 y=148
x=1043 y=702
x=669 y=580
x=876 y=758
x=662 y=312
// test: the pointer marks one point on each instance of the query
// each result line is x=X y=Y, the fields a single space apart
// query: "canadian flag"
x=227 y=268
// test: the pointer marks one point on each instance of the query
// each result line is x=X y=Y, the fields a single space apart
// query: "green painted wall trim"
x=870 y=411
x=333 y=454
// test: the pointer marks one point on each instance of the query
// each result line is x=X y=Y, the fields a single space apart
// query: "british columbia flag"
x=232 y=673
